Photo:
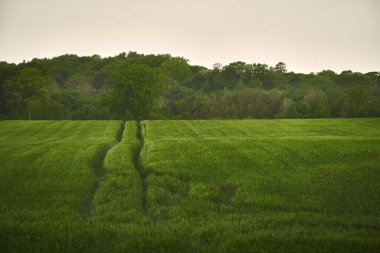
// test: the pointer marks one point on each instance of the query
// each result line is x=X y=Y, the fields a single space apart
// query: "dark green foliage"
x=136 y=91
x=23 y=89
x=85 y=88
x=176 y=68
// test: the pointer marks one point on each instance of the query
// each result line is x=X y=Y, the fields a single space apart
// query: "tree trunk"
x=29 y=109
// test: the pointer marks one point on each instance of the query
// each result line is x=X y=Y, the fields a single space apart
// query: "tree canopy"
x=135 y=92
x=24 y=88
x=137 y=86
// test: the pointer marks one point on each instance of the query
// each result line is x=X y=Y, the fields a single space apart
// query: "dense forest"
x=138 y=86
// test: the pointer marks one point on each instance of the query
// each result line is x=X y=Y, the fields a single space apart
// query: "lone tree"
x=28 y=86
x=136 y=92
x=281 y=67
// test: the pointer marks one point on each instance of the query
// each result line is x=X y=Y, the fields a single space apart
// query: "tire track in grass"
x=143 y=173
x=98 y=172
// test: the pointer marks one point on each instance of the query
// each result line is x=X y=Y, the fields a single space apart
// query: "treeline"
x=137 y=86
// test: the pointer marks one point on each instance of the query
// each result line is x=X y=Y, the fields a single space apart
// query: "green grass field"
x=190 y=186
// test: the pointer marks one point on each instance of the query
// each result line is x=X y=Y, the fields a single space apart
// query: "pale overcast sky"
x=307 y=35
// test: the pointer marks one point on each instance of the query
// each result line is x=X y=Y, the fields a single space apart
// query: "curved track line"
x=98 y=172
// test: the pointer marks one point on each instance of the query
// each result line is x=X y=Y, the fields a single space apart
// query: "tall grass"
x=190 y=186
x=289 y=182
x=46 y=175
